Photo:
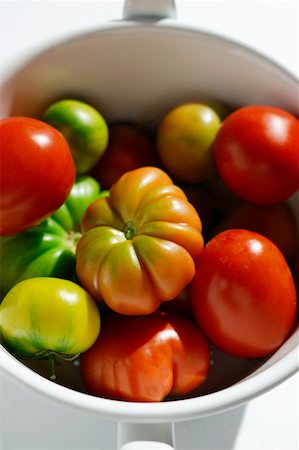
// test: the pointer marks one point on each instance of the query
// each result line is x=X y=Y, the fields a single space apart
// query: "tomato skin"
x=257 y=154
x=48 y=249
x=139 y=243
x=37 y=173
x=144 y=359
x=128 y=149
x=40 y=316
x=84 y=128
x=184 y=142
x=243 y=295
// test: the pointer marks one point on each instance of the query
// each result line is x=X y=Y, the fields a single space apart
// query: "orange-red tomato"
x=146 y=358
x=243 y=295
x=139 y=245
x=276 y=222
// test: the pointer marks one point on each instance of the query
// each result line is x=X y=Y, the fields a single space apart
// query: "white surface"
x=268 y=422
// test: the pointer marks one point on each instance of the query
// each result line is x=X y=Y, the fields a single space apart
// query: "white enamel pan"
x=137 y=69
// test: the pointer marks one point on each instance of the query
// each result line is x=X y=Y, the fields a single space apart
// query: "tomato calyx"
x=52 y=358
x=72 y=239
x=130 y=230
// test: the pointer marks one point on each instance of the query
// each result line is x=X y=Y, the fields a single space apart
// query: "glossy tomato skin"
x=84 y=128
x=243 y=295
x=41 y=316
x=37 y=173
x=139 y=244
x=128 y=149
x=257 y=154
x=185 y=139
x=48 y=249
x=145 y=359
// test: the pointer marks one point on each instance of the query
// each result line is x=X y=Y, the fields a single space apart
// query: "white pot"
x=139 y=69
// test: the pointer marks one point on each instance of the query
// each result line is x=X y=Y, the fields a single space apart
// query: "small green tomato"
x=185 y=140
x=83 y=127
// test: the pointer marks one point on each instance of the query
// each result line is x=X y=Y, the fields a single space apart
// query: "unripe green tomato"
x=83 y=127
x=185 y=142
x=44 y=316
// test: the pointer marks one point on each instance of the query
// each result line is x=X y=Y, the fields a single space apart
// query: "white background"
x=269 y=422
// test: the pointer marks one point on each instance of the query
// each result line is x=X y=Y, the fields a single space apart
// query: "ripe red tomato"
x=243 y=295
x=37 y=173
x=146 y=358
x=128 y=149
x=257 y=154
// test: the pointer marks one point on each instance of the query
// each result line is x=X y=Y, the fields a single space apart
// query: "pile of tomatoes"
x=136 y=249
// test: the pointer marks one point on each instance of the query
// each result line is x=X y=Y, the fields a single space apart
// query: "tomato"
x=37 y=173
x=48 y=317
x=84 y=128
x=145 y=359
x=139 y=244
x=276 y=222
x=128 y=149
x=243 y=295
x=257 y=154
x=48 y=249
x=184 y=142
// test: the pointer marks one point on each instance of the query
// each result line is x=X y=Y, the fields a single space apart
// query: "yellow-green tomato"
x=185 y=142
x=84 y=128
x=40 y=317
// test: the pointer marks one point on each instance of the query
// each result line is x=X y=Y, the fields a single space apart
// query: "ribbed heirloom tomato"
x=146 y=358
x=243 y=295
x=37 y=173
x=139 y=244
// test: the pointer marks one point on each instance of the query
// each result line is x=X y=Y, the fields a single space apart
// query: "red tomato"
x=276 y=222
x=144 y=359
x=128 y=149
x=243 y=295
x=37 y=173
x=257 y=154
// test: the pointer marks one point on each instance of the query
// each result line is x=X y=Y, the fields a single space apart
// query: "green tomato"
x=185 y=140
x=48 y=249
x=83 y=127
x=46 y=317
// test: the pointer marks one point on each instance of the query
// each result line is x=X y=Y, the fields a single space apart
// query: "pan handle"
x=149 y=9
x=149 y=436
